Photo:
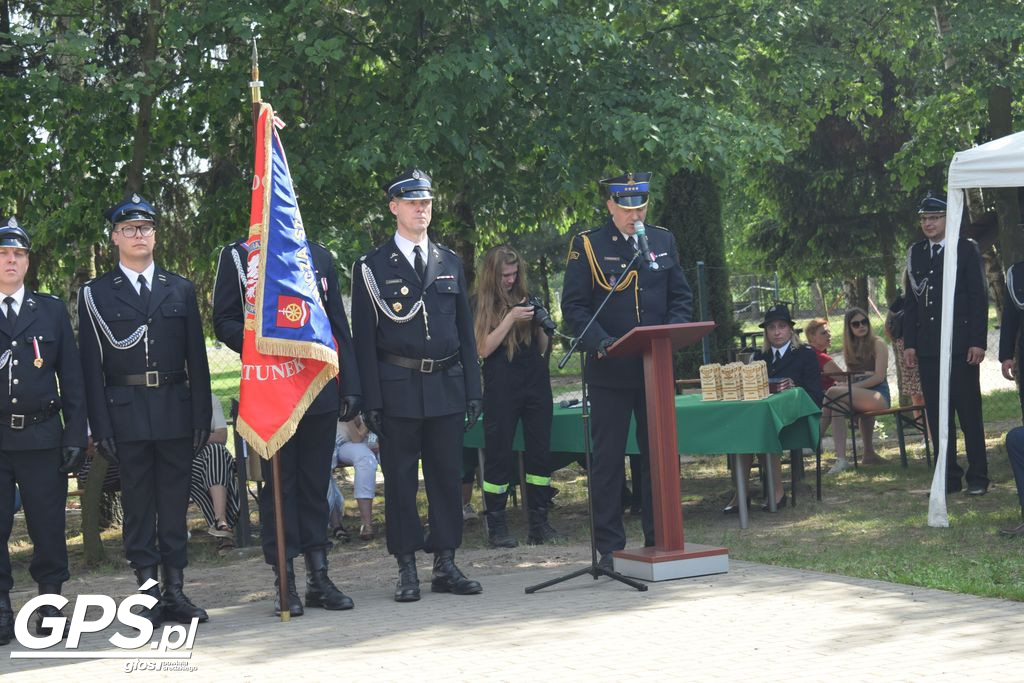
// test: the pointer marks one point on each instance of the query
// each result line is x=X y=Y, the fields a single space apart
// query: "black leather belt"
x=424 y=365
x=15 y=421
x=151 y=379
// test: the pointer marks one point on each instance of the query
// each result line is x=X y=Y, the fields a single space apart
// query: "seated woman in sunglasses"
x=867 y=359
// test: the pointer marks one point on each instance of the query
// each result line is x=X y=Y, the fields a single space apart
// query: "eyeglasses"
x=863 y=322
x=132 y=230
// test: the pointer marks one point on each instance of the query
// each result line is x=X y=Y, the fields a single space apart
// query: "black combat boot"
x=448 y=579
x=408 y=587
x=294 y=604
x=540 y=531
x=320 y=590
x=177 y=607
x=156 y=613
x=498 y=535
x=50 y=611
x=6 y=619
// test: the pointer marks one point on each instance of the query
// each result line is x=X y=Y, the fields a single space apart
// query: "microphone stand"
x=595 y=570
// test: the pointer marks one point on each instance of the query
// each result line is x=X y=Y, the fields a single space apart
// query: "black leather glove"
x=602 y=346
x=199 y=439
x=374 y=420
x=474 y=408
x=350 y=407
x=71 y=459
x=108 y=449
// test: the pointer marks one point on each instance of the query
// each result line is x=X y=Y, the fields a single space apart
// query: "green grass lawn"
x=871 y=523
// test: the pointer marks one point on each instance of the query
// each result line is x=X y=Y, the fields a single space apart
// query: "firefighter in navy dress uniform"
x=413 y=332
x=305 y=459
x=148 y=386
x=37 y=350
x=922 y=324
x=1011 y=341
x=655 y=294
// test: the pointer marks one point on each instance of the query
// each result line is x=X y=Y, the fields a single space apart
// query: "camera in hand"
x=541 y=315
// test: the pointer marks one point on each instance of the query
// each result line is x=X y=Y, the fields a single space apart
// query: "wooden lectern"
x=671 y=557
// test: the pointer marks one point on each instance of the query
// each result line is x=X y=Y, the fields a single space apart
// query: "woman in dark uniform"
x=517 y=386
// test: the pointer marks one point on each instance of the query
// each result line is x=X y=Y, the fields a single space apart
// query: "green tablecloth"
x=786 y=420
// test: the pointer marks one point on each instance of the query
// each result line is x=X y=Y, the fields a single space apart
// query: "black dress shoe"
x=448 y=579
x=781 y=504
x=1013 y=531
x=977 y=490
x=606 y=562
x=408 y=587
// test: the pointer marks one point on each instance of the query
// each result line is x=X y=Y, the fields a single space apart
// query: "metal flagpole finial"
x=255 y=84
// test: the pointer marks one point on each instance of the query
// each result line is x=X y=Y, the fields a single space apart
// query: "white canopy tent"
x=999 y=163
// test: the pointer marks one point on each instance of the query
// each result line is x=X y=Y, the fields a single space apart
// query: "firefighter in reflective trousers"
x=512 y=338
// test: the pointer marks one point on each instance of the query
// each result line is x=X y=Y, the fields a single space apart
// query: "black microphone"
x=645 y=249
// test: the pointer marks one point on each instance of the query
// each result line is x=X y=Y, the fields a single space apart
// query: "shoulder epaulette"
x=448 y=249
x=371 y=252
x=648 y=225
x=48 y=296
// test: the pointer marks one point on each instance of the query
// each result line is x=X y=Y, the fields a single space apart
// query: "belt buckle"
x=427 y=365
x=17 y=421
x=152 y=378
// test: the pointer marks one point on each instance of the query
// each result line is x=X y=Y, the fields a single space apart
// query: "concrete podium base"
x=655 y=564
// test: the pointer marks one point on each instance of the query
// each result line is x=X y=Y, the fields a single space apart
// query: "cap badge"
x=136 y=198
x=13 y=223
x=417 y=175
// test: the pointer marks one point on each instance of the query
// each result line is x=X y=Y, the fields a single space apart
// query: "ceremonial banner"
x=288 y=350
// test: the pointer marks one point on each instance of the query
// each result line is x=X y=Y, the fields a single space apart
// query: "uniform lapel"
x=433 y=267
x=125 y=292
x=26 y=316
x=402 y=267
x=158 y=290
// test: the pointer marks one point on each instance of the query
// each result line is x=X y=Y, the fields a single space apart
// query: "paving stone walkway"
x=757 y=623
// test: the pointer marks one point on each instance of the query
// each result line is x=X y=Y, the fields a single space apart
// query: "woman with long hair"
x=517 y=386
x=867 y=360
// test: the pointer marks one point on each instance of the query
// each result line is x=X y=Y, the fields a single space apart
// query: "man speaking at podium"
x=654 y=291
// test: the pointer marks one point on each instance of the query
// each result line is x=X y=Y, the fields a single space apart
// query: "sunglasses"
x=863 y=322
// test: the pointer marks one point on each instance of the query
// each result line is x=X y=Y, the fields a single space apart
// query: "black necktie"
x=12 y=317
x=417 y=261
x=144 y=292
x=632 y=242
x=936 y=248
x=777 y=356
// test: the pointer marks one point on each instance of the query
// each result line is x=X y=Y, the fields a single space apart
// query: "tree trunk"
x=1000 y=123
x=140 y=145
x=462 y=211
x=888 y=268
x=819 y=296
x=92 y=498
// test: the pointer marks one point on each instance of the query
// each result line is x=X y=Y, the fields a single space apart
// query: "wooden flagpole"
x=275 y=466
